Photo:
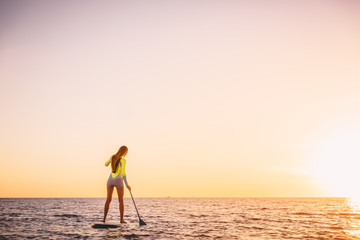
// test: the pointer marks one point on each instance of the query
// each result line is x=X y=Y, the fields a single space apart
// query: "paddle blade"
x=141 y=222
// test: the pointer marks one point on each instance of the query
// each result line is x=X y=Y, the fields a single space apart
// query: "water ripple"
x=237 y=218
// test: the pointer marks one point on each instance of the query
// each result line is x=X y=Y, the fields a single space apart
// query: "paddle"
x=141 y=222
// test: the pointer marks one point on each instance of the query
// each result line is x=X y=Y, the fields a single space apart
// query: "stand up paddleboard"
x=105 y=225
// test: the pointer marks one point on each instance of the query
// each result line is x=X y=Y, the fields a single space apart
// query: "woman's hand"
x=128 y=187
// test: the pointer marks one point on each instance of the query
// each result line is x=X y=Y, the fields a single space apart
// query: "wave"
x=347 y=214
x=14 y=214
x=198 y=216
x=67 y=215
x=134 y=236
x=303 y=213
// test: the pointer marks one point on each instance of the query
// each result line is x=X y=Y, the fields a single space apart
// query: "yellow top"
x=120 y=168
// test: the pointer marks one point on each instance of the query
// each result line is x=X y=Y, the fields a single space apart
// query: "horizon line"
x=153 y=197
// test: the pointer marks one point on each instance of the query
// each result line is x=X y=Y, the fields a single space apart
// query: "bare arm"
x=108 y=162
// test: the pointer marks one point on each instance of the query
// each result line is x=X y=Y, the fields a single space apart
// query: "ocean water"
x=183 y=218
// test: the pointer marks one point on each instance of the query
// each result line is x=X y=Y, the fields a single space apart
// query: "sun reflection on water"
x=351 y=213
x=354 y=203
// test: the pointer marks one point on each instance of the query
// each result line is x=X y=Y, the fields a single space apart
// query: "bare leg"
x=120 y=192
x=108 y=200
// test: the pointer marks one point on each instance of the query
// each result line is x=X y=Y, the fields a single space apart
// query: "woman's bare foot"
x=123 y=221
x=103 y=220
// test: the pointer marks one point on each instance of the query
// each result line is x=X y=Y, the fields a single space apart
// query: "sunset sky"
x=212 y=98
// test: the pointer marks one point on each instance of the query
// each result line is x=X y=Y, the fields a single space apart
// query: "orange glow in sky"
x=212 y=98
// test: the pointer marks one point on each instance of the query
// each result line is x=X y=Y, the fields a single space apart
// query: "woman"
x=116 y=177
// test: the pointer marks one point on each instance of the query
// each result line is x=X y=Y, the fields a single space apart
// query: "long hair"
x=115 y=160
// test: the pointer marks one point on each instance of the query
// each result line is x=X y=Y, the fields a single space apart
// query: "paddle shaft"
x=134 y=204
